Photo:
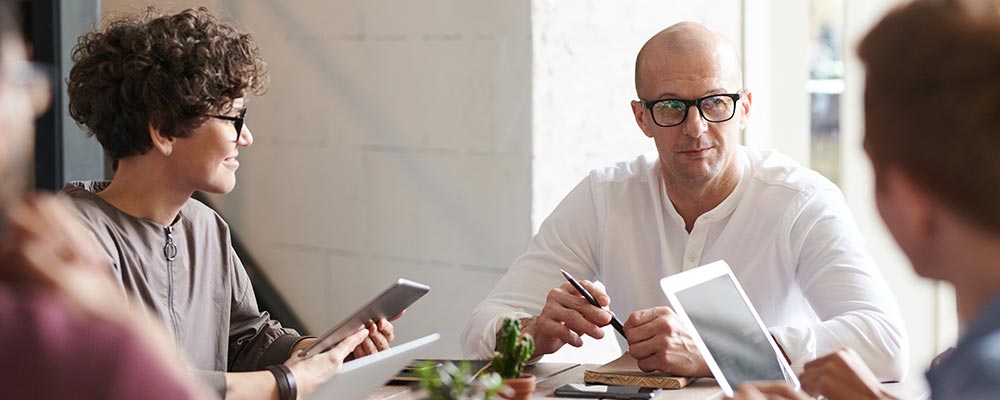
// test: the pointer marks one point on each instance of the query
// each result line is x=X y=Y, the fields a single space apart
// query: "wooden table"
x=553 y=375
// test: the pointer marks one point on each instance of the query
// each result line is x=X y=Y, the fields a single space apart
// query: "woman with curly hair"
x=166 y=96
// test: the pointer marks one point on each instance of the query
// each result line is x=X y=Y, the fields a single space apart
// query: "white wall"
x=776 y=67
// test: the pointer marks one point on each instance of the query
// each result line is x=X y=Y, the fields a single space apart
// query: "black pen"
x=586 y=295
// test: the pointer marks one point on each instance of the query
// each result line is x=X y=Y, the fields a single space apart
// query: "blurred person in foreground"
x=932 y=131
x=65 y=332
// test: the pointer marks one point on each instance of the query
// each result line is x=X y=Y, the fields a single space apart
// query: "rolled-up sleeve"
x=255 y=340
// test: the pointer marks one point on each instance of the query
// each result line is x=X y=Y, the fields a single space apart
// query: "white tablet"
x=387 y=304
x=359 y=378
x=730 y=335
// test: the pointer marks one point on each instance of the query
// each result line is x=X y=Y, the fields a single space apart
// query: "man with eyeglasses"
x=785 y=230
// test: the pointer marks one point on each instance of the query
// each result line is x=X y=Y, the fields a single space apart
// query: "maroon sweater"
x=50 y=352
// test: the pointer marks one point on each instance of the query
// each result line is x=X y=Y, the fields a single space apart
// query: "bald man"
x=784 y=229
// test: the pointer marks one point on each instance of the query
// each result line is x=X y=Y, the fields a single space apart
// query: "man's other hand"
x=658 y=340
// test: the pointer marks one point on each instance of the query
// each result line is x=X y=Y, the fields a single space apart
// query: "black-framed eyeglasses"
x=237 y=121
x=713 y=108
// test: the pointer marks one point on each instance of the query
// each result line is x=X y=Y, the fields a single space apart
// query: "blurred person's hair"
x=162 y=71
x=932 y=101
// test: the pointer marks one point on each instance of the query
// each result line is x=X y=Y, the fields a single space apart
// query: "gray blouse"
x=189 y=276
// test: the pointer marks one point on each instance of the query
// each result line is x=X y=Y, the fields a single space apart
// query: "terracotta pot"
x=520 y=388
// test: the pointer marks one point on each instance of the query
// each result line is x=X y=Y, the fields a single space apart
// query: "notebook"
x=625 y=372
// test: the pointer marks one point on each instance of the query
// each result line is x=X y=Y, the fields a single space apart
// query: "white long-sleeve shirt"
x=785 y=231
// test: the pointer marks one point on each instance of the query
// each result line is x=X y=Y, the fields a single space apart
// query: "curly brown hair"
x=164 y=71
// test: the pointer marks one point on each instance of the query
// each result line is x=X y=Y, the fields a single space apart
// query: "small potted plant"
x=514 y=348
x=447 y=381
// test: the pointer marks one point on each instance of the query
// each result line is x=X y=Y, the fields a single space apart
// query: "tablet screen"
x=730 y=331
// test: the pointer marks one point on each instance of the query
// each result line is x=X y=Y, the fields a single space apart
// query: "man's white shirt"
x=785 y=231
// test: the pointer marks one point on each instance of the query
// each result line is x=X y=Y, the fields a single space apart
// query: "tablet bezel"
x=690 y=278
x=387 y=304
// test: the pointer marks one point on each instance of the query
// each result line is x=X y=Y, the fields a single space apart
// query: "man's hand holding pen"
x=656 y=336
x=567 y=316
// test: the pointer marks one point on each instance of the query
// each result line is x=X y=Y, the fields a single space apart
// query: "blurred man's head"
x=24 y=94
x=932 y=124
x=685 y=62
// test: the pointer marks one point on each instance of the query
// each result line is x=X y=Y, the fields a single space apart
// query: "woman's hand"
x=314 y=371
x=380 y=334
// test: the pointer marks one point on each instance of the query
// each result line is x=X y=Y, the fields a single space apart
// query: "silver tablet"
x=723 y=323
x=357 y=379
x=387 y=304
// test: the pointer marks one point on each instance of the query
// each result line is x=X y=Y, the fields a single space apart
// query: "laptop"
x=359 y=378
x=725 y=326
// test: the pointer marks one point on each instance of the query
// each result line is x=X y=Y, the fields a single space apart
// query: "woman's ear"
x=163 y=144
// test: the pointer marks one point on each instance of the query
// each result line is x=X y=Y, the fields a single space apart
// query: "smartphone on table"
x=577 y=390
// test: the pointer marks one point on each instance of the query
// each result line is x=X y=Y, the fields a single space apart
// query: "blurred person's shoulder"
x=972 y=370
x=53 y=352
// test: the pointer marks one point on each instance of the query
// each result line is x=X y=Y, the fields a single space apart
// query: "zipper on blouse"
x=170 y=253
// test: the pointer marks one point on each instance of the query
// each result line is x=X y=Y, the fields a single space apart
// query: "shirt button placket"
x=694 y=247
